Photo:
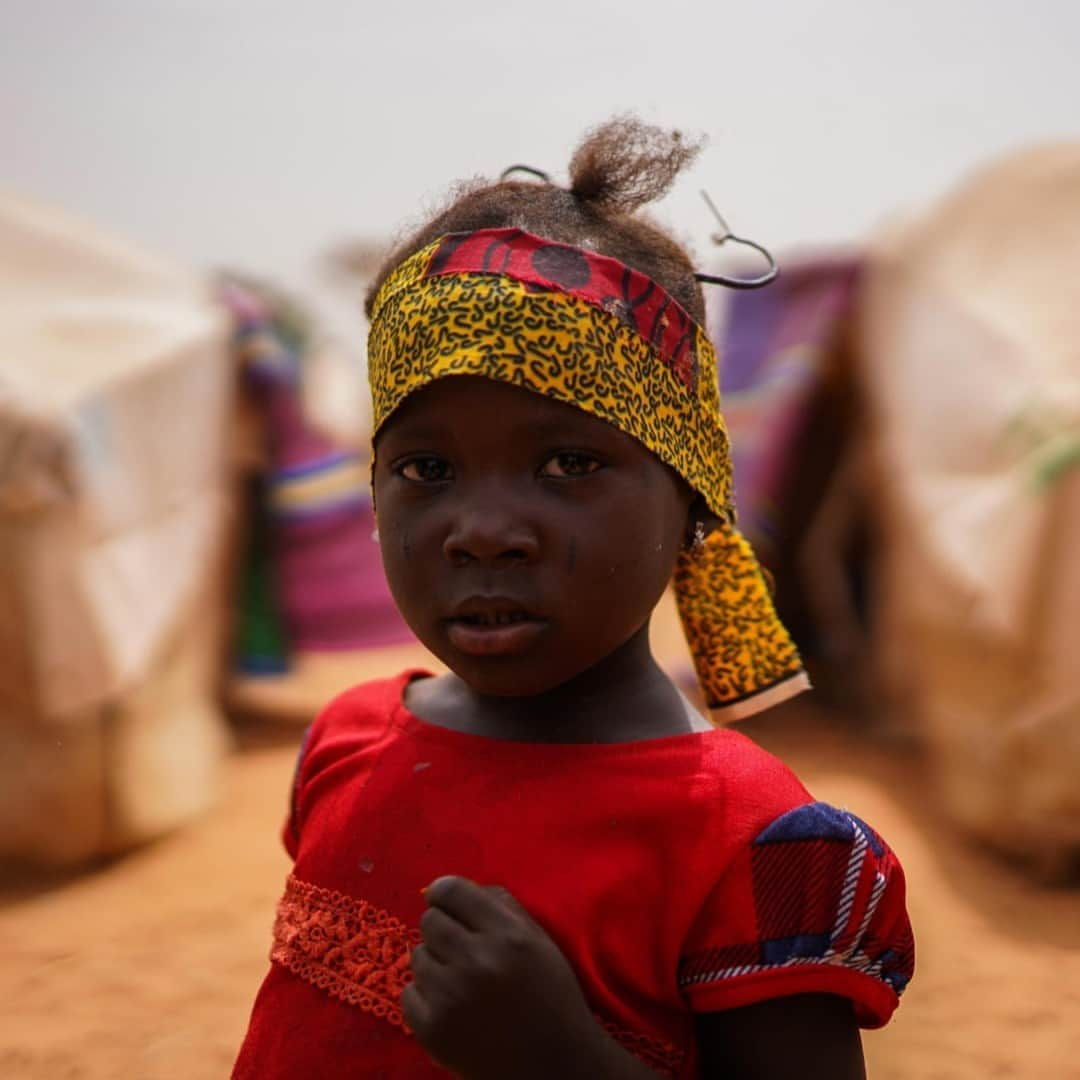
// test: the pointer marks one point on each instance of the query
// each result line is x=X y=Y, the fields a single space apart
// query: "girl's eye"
x=425 y=470
x=569 y=463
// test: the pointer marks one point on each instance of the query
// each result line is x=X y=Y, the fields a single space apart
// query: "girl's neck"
x=625 y=697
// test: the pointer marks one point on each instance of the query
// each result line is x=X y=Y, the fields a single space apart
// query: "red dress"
x=678 y=875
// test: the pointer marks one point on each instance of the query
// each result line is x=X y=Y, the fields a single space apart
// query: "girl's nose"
x=488 y=532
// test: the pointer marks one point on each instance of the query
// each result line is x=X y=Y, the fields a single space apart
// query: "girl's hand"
x=494 y=997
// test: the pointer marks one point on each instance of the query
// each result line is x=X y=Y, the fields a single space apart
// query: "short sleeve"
x=355 y=719
x=330 y=734
x=815 y=903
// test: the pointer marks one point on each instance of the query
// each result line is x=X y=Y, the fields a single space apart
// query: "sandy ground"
x=145 y=968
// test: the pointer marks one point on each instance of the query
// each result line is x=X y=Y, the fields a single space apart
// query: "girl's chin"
x=508 y=676
x=526 y=659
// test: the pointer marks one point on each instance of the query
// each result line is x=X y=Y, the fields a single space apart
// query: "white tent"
x=115 y=391
x=972 y=354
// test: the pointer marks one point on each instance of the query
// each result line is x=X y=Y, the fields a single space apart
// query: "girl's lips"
x=490 y=638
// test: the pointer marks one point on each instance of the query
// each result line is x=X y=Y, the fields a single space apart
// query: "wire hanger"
x=727 y=236
x=538 y=173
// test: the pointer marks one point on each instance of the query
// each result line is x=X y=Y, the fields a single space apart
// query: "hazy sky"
x=257 y=134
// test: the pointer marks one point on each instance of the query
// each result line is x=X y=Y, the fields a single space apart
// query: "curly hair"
x=618 y=168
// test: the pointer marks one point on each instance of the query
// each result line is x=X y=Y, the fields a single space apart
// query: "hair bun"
x=624 y=164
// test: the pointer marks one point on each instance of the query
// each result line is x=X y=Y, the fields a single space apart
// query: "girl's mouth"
x=494 y=618
x=494 y=631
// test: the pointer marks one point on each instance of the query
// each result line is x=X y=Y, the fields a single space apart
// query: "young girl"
x=545 y=863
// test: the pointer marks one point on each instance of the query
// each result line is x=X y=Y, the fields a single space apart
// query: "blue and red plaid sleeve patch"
x=827 y=900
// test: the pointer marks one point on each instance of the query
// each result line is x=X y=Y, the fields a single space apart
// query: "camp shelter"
x=971 y=354
x=115 y=391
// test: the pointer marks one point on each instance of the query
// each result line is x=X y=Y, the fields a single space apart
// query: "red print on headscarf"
x=632 y=297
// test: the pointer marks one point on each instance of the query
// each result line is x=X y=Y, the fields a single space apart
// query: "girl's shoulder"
x=362 y=711
x=358 y=719
x=349 y=727
x=742 y=784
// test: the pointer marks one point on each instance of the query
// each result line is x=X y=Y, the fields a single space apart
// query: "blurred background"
x=193 y=196
x=235 y=133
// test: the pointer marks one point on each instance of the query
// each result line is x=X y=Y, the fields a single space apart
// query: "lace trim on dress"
x=360 y=954
x=354 y=951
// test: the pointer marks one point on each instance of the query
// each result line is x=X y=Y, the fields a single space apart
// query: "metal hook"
x=538 y=173
x=724 y=237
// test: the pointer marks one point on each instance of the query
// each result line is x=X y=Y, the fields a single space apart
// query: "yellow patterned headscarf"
x=589 y=331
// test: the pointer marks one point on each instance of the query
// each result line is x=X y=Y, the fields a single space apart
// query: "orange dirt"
x=146 y=968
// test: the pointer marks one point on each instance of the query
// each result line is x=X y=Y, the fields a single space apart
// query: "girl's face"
x=523 y=539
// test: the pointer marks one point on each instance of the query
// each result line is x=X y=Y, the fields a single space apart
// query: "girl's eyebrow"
x=417 y=431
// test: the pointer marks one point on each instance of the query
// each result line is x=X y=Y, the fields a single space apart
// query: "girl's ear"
x=700 y=521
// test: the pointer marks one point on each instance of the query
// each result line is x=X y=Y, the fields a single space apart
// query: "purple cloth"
x=328 y=571
x=772 y=356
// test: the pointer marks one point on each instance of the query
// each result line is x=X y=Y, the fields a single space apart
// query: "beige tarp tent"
x=115 y=393
x=972 y=355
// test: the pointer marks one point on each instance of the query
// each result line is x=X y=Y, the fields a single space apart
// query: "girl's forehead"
x=459 y=402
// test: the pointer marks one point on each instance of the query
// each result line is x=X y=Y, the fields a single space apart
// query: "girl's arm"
x=802 y=1037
